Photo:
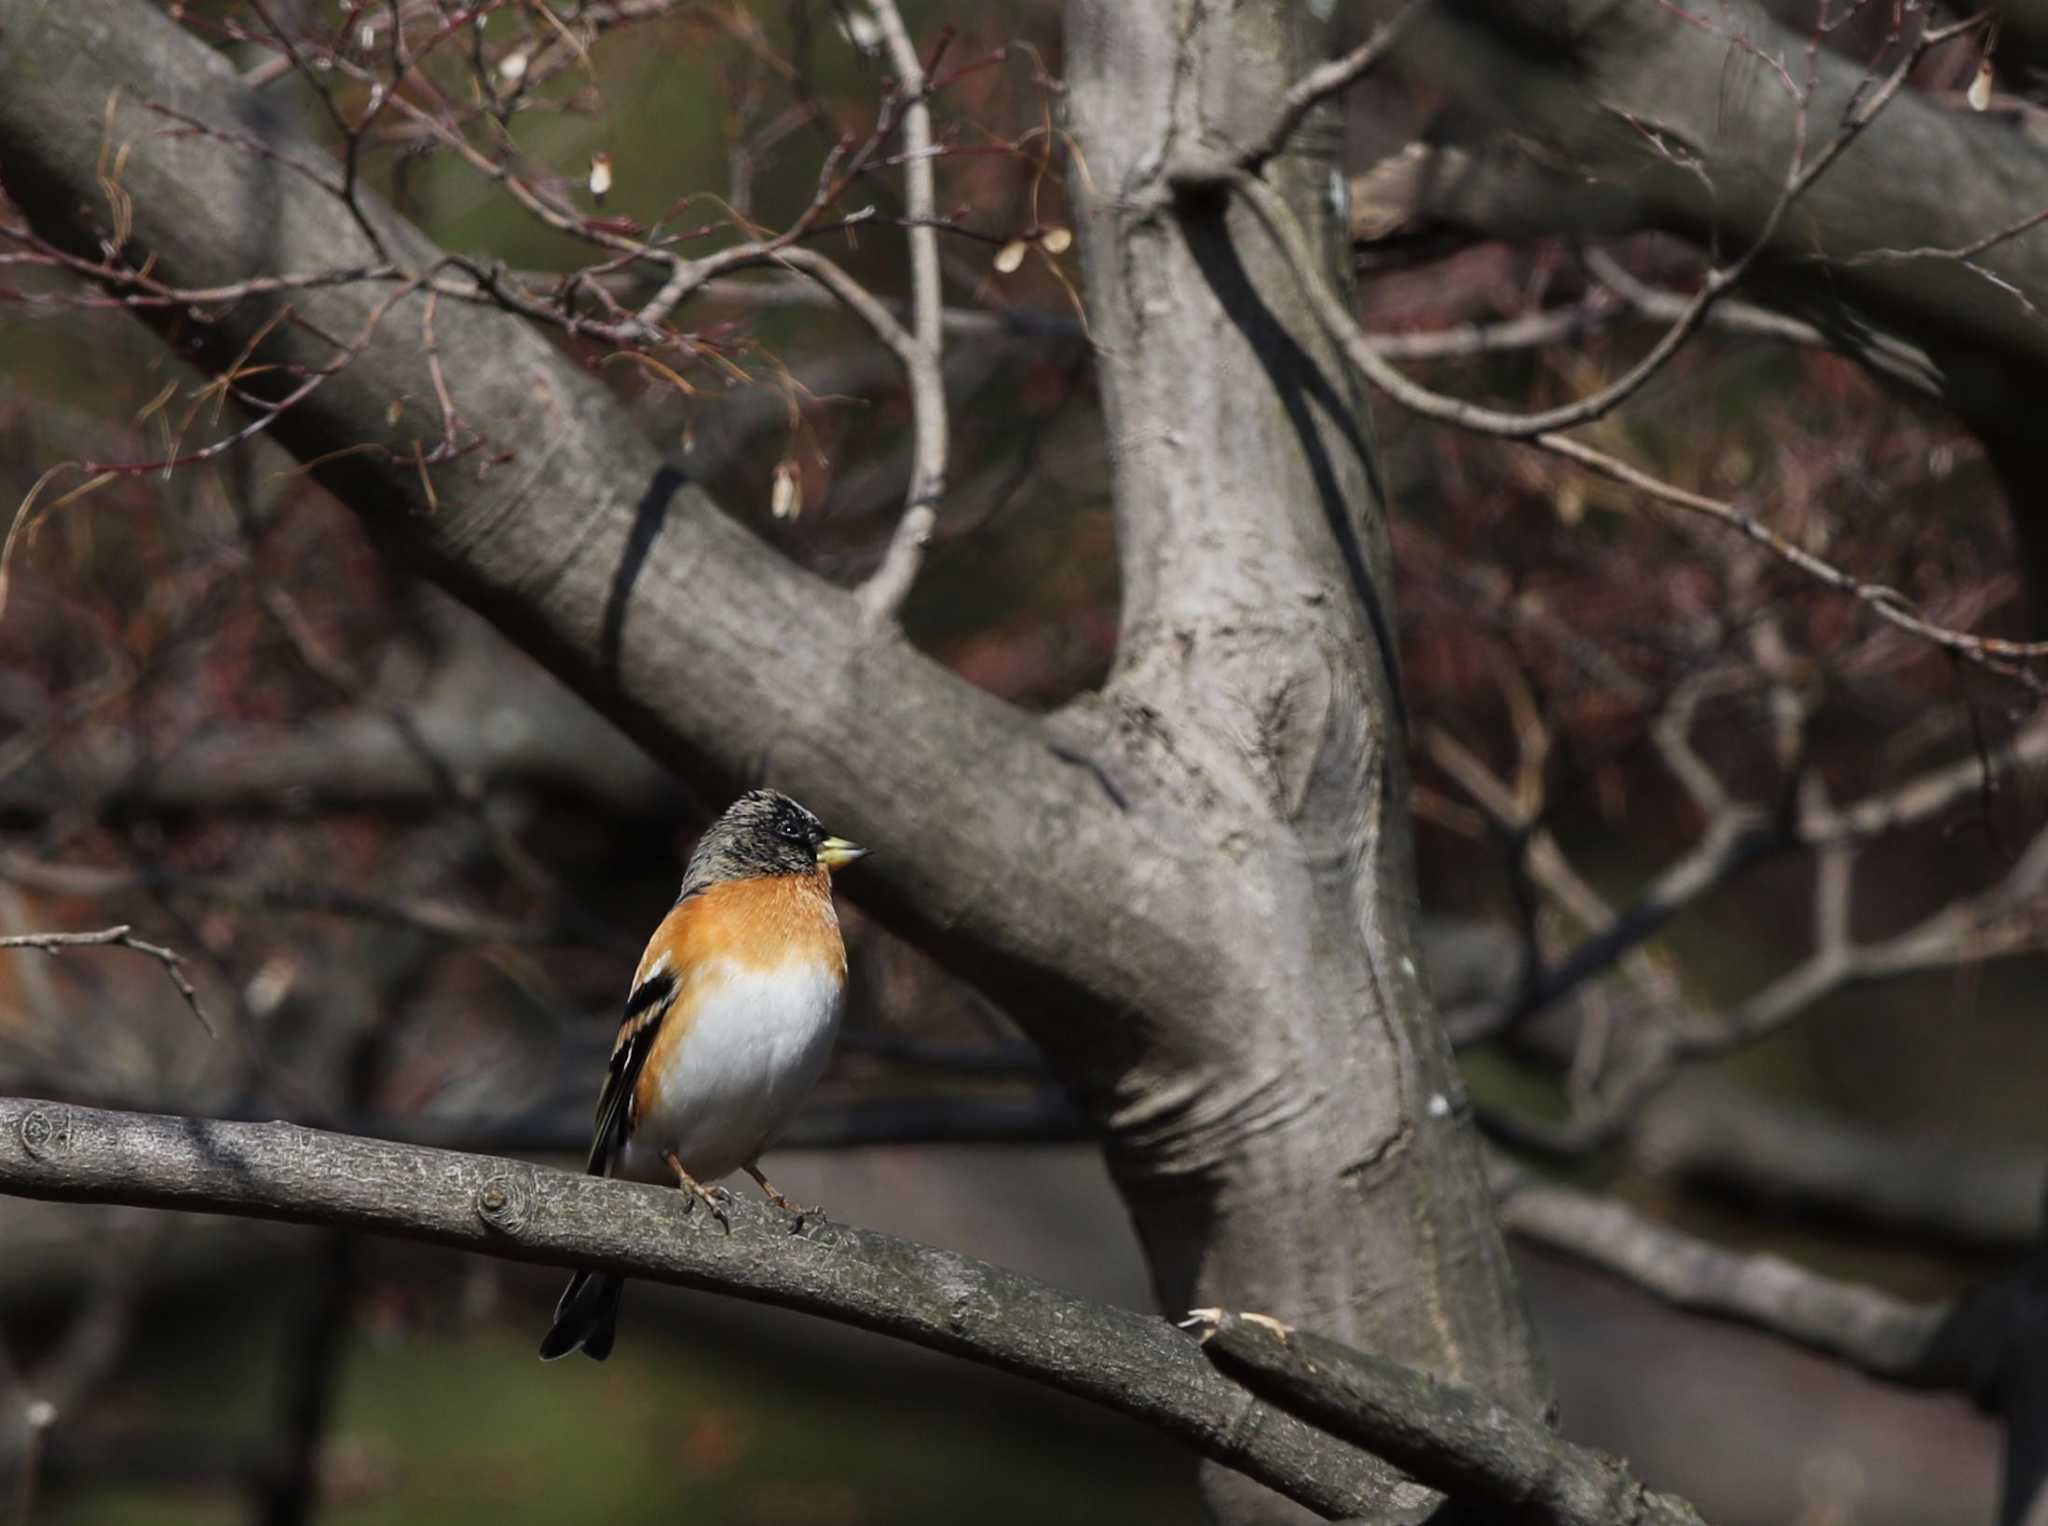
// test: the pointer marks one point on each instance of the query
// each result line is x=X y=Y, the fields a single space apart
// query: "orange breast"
x=755 y=924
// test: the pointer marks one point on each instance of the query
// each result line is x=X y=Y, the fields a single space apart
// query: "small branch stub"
x=506 y=1202
x=46 y=1133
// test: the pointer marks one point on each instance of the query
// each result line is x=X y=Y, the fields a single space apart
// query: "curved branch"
x=882 y=596
x=1875 y=1333
x=1324 y=81
x=1708 y=1133
x=1801 y=174
x=1990 y=653
x=1127 y=1361
x=118 y=937
x=1475 y=1448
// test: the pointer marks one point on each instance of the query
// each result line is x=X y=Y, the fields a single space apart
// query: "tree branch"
x=1709 y=1134
x=1327 y=80
x=1592 y=82
x=1802 y=171
x=884 y=592
x=1130 y=1362
x=1456 y=1440
x=1542 y=432
x=118 y=937
x=1873 y=1332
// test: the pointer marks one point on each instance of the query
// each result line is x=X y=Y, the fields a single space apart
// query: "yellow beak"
x=837 y=852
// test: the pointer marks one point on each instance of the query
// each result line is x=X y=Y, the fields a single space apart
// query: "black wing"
x=645 y=1009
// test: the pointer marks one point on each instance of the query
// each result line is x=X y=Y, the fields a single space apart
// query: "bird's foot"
x=794 y=1210
x=714 y=1198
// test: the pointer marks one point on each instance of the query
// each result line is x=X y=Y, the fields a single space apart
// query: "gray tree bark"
x=1453 y=1437
x=1195 y=891
x=1316 y=1137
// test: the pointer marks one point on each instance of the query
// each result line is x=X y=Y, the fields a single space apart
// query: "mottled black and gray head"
x=763 y=832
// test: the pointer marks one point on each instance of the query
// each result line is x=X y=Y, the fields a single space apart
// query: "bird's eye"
x=791 y=832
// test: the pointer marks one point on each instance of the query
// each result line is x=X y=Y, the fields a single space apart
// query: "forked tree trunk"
x=1306 y=1150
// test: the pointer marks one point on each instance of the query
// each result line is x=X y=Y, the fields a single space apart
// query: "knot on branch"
x=46 y=1132
x=506 y=1202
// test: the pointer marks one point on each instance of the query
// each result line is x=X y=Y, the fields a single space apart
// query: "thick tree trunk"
x=1308 y=1154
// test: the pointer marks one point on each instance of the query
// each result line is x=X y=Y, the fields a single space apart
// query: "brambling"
x=730 y=1021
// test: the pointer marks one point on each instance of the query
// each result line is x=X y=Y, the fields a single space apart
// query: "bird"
x=732 y=1014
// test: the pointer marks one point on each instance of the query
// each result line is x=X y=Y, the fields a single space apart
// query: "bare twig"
x=119 y=937
x=1875 y=1333
x=1709 y=1134
x=2011 y=917
x=463 y=791
x=1887 y=604
x=1887 y=354
x=1987 y=1343
x=1324 y=81
x=1622 y=297
x=882 y=595
x=2004 y=919
x=1988 y=652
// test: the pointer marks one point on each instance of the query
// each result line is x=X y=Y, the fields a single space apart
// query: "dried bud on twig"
x=786 y=497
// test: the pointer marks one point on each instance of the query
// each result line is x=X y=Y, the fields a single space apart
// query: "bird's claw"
x=797 y=1212
x=714 y=1198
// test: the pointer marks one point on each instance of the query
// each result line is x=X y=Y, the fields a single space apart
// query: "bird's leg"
x=713 y=1197
x=798 y=1213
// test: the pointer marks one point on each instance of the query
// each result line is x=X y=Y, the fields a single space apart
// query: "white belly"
x=753 y=1052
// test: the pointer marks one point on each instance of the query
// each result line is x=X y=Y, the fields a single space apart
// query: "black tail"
x=587 y=1316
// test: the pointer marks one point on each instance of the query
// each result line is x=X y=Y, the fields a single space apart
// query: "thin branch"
x=1522 y=426
x=119 y=937
x=1875 y=1333
x=1925 y=796
x=1626 y=297
x=1887 y=604
x=1130 y=1362
x=773 y=292
x=1903 y=362
x=1324 y=81
x=1710 y=1135
x=1736 y=835
x=463 y=791
x=1531 y=331
x=882 y=595
x=2007 y=918
x=1453 y=1439
x=2011 y=917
